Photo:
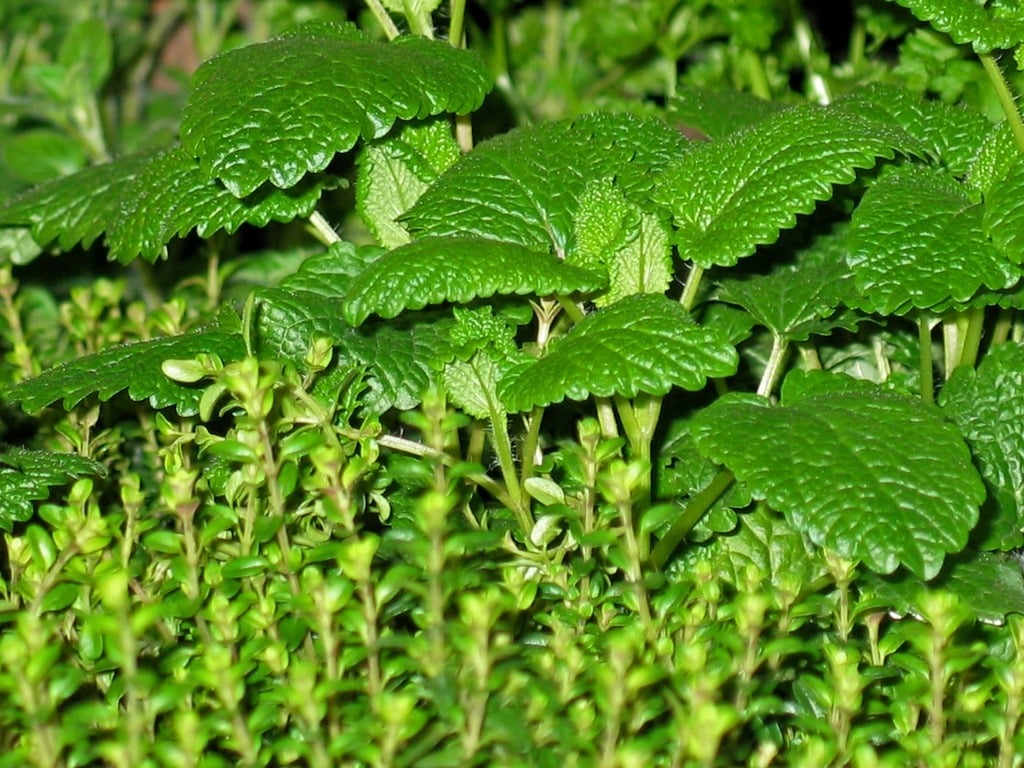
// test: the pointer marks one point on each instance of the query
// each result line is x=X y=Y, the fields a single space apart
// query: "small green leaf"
x=1004 y=211
x=459 y=269
x=999 y=26
x=60 y=597
x=472 y=385
x=988 y=406
x=523 y=186
x=135 y=368
x=394 y=172
x=731 y=195
x=643 y=343
x=27 y=476
x=41 y=154
x=918 y=242
x=874 y=476
x=281 y=109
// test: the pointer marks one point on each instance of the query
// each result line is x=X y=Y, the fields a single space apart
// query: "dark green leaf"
x=459 y=269
x=313 y=93
x=717 y=113
x=644 y=343
x=1004 y=211
x=965 y=21
x=875 y=476
x=27 y=476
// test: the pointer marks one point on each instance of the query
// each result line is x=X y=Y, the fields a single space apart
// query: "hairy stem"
x=1006 y=100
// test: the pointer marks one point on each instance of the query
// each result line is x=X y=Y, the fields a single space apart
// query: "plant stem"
x=693 y=512
x=606 y=418
x=971 y=340
x=924 y=338
x=457 y=27
x=995 y=76
x=324 y=232
x=772 y=371
x=689 y=297
x=383 y=18
x=530 y=444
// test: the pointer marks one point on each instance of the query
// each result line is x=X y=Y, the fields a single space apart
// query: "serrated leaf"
x=1004 y=212
x=27 y=476
x=394 y=172
x=918 y=242
x=877 y=477
x=314 y=93
x=717 y=113
x=990 y=585
x=988 y=406
x=170 y=197
x=135 y=368
x=729 y=196
x=524 y=186
x=434 y=270
x=77 y=208
x=1000 y=26
x=950 y=134
x=472 y=385
x=645 y=343
x=997 y=154
x=767 y=543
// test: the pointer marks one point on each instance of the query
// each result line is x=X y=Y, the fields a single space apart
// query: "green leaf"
x=950 y=134
x=1003 y=219
x=170 y=197
x=717 y=113
x=731 y=195
x=918 y=242
x=472 y=384
x=27 y=476
x=41 y=154
x=644 y=343
x=837 y=458
x=135 y=368
x=394 y=172
x=314 y=93
x=997 y=154
x=77 y=208
x=988 y=406
x=524 y=186
x=87 y=54
x=459 y=269
x=1000 y=26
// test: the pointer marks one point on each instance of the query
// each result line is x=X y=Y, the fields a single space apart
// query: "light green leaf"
x=459 y=269
x=87 y=54
x=394 y=172
x=170 y=197
x=314 y=93
x=988 y=406
x=918 y=242
x=717 y=113
x=645 y=343
x=27 y=476
x=41 y=154
x=1003 y=219
x=472 y=384
x=731 y=195
x=877 y=477
x=135 y=368
x=524 y=186
x=1000 y=26
x=997 y=154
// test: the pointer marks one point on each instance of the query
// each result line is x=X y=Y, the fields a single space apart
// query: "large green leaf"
x=280 y=109
x=918 y=242
x=999 y=26
x=524 y=186
x=988 y=406
x=77 y=208
x=135 y=368
x=872 y=475
x=731 y=195
x=27 y=476
x=1004 y=211
x=459 y=269
x=645 y=343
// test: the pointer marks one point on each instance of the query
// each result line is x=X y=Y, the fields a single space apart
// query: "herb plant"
x=677 y=422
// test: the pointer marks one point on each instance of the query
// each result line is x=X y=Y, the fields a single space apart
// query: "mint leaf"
x=524 y=186
x=997 y=154
x=351 y=88
x=1000 y=26
x=877 y=477
x=459 y=269
x=717 y=113
x=394 y=172
x=643 y=343
x=135 y=368
x=1003 y=219
x=75 y=209
x=170 y=197
x=988 y=406
x=731 y=195
x=918 y=242
x=27 y=476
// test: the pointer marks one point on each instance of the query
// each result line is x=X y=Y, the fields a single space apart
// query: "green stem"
x=457 y=27
x=530 y=442
x=971 y=341
x=693 y=512
x=383 y=18
x=507 y=465
x=323 y=231
x=772 y=371
x=689 y=297
x=995 y=76
x=606 y=418
x=924 y=338
x=753 y=66
x=1001 y=329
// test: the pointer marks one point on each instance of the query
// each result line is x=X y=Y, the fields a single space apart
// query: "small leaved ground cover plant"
x=680 y=421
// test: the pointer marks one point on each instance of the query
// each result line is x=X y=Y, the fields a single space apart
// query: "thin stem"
x=503 y=447
x=1006 y=100
x=324 y=232
x=606 y=418
x=972 y=338
x=383 y=18
x=693 y=512
x=689 y=297
x=457 y=27
x=772 y=371
x=1001 y=329
x=530 y=442
x=924 y=337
